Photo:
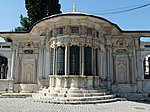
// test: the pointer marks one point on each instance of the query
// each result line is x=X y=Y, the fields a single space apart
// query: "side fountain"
x=74 y=90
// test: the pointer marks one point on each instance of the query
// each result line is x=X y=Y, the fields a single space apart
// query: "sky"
x=10 y=11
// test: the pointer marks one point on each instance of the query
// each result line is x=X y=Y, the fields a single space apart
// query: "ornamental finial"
x=74 y=7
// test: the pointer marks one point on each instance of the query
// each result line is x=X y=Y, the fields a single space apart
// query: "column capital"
x=14 y=47
x=107 y=47
x=36 y=56
x=130 y=54
x=114 y=55
x=53 y=46
x=42 y=46
x=20 y=56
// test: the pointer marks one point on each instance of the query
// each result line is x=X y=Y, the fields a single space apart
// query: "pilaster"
x=19 y=67
x=36 y=66
x=130 y=66
x=13 y=60
x=82 y=60
x=54 y=61
x=9 y=69
x=66 y=60
x=108 y=66
x=114 y=67
x=47 y=60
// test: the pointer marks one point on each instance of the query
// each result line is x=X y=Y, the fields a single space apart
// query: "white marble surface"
x=27 y=105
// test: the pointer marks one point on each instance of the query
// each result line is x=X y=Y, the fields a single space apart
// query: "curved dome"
x=73 y=18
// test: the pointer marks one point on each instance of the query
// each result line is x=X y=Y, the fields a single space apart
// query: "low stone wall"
x=26 y=88
x=124 y=88
x=73 y=81
x=146 y=86
x=4 y=85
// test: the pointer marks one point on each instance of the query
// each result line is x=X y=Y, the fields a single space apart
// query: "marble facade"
x=102 y=55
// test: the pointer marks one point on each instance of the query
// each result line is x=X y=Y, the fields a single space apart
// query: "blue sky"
x=139 y=19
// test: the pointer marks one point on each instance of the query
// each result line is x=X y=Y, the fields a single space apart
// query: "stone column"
x=13 y=60
x=82 y=61
x=66 y=60
x=93 y=67
x=11 y=83
x=102 y=65
x=44 y=62
x=50 y=50
x=108 y=65
x=114 y=67
x=135 y=68
x=139 y=69
x=69 y=60
x=130 y=67
x=47 y=61
x=41 y=61
x=54 y=61
x=99 y=63
x=138 y=62
x=52 y=78
x=16 y=69
x=93 y=61
x=9 y=69
x=35 y=69
x=19 y=67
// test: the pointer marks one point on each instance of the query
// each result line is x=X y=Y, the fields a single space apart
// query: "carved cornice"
x=75 y=40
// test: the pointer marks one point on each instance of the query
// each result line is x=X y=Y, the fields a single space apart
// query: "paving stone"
x=28 y=105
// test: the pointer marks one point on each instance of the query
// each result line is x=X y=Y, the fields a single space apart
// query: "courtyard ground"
x=27 y=105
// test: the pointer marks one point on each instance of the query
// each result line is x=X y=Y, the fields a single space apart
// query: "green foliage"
x=25 y=24
x=37 y=10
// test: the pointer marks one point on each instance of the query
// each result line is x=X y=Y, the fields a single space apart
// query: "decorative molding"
x=121 y=51
x=121 y=43
x=122 y=70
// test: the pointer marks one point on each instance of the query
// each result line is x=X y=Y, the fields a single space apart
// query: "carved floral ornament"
x=88 y=42
x=29 y=43
x=73 y=30
x=121 y=43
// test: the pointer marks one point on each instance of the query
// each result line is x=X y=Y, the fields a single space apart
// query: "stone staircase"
x=68 y=96
x=75 y=96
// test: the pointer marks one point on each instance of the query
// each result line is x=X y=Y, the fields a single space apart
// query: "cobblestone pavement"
x=27 y=105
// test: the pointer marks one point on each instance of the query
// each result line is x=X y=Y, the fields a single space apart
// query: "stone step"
x=75 y=95
x=97 y=94
x=81 y=100
x=16 y=95
x=52 y=94
x=84 y=94
x=87 y=102
x=102 y=90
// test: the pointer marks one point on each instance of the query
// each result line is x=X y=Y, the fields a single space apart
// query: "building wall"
x=119 y=54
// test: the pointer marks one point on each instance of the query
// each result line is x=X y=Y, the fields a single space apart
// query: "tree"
x=37 y=10
x=25 y=24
